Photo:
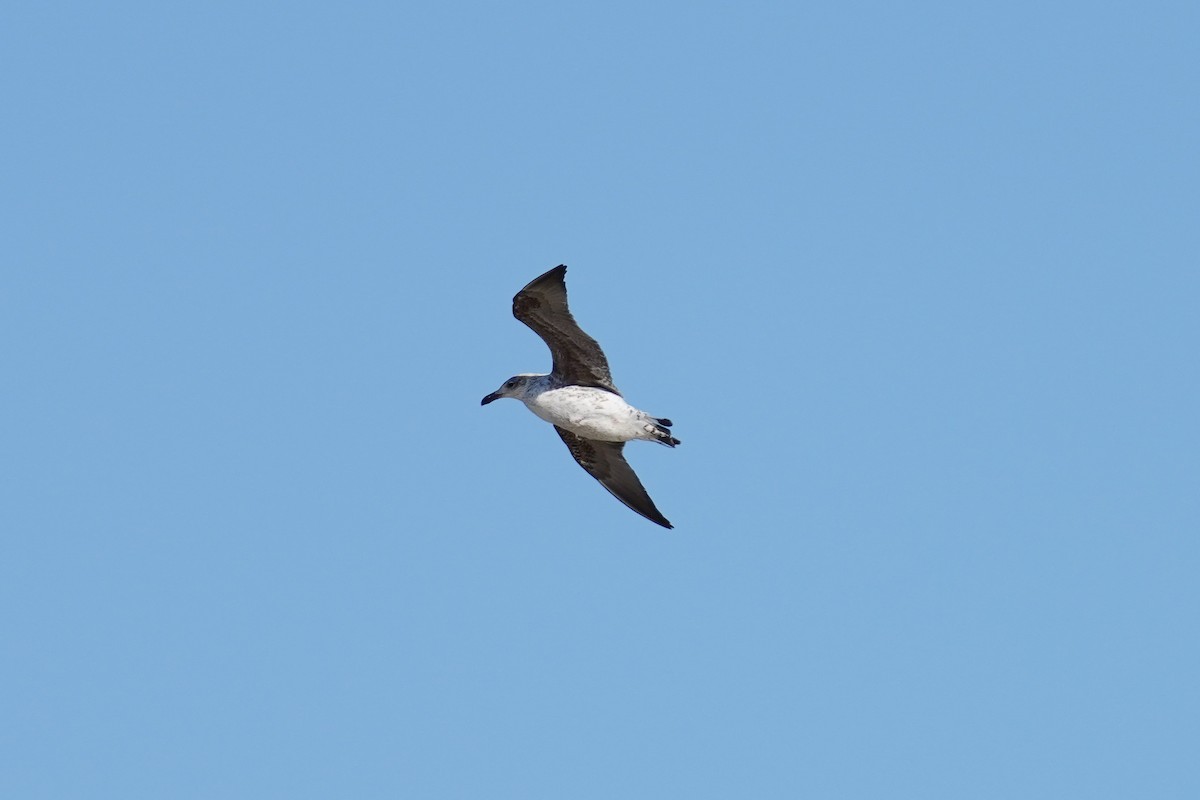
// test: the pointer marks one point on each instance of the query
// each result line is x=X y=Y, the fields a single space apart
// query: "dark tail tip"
x=666 y=423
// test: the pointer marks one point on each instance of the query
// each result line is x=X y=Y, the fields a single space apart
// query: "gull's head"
x=516 y=386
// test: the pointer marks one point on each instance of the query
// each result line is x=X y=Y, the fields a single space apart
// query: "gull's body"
x=578 y=396
x=586 y=411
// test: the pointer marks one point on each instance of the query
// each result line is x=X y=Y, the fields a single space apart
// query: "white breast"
x=591 y=413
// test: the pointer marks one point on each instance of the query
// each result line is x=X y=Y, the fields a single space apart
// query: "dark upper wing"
x=605 y=463
x=542 y=305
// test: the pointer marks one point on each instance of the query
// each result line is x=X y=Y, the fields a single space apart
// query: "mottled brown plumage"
x=605 y=461
x=578 y=360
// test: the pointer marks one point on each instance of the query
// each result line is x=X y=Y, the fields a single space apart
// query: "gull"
x=578 y=396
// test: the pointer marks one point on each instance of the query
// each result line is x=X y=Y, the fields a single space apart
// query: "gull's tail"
x=662 y=431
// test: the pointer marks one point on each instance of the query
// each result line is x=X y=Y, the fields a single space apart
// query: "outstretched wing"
x=542 y=305
x=605 y=462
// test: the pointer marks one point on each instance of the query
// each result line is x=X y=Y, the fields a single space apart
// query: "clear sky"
x=917 y=282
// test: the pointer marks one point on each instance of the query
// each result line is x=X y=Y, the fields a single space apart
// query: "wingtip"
x=557 y=273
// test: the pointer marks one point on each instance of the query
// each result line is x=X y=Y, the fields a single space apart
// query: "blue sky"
x=917 y=283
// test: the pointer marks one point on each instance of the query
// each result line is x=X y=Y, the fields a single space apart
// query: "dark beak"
x=489 y=398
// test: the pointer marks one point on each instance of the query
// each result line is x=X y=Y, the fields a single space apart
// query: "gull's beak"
x=489 y=398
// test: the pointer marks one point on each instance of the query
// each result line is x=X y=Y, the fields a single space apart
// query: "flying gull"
x=578 y=396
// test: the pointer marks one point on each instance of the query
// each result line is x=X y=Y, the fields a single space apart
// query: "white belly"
x=591 y=413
